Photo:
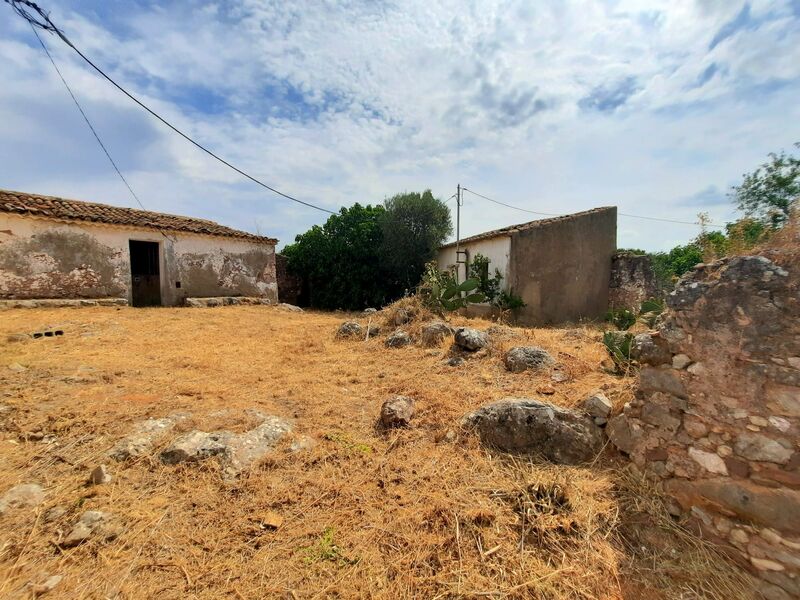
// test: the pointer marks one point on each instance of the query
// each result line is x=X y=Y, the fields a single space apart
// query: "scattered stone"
x=24 y=495
x=92 y=523
x=398 y=339
x=271 y=520
x=140 y=442
x=369 y=311
x=196 y=446
x=40 y=589
x=523 y=358
x=17 y=368
x=710 y=462
x=648 y=349
x=523 y=425
x=350 y=329
x=598 y=406
x=470 y=339
x=302 y=443
x=558 y=376
x=697 y=369
x=757 y=446
x=54 y=513
x=397 y=411
x=435 y=333
x=290 y=307
x=546 y=390
x=681 y=361
x=456 y=361
x=99 y=475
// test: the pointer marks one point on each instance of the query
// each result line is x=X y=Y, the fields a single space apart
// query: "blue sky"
x=657 y=107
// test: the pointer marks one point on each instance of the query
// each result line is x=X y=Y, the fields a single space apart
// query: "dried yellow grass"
x=424 y=512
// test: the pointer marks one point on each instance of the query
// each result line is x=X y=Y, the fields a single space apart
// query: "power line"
x=86 y=118
x=556 y=215
x=43 y=22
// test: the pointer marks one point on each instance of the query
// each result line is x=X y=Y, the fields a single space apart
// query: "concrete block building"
x=65 y=249
x=561 y=267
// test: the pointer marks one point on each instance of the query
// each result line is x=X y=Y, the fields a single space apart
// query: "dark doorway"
x=146 y=290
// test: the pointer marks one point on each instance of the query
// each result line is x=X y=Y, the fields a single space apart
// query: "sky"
x=555 y=106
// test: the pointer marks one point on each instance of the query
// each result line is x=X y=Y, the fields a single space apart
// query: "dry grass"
x=424 y=512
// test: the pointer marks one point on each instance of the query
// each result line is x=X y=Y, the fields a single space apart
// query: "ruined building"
x=560 y=267
x=66 y=249
x=717 y=415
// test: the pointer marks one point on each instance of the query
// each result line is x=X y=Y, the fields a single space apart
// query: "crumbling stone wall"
x=717 y=413
x=633 y=281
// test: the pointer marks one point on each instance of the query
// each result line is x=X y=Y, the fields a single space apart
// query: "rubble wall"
x=717 y=413
x=633 y=281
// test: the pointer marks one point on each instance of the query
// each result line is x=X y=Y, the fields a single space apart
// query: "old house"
x=58 y=248
x=560 y=267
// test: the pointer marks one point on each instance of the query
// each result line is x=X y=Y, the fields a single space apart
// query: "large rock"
x=398 y=339
x=523 y=358
x=397 y=411
x=598 y=406
x=25 y=495
x=648 y=349
x=140 y=441
x=433 y=334
x=470 y=339
x=523 y=425
x=195 y=446
x=93 y=523
x=759 y=447
x=350 y=329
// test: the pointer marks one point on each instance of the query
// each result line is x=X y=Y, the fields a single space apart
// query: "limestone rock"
x=598 y=406
x=99 y=475
x=681 y=361
x=648 y=349
x=350 y=329
x=397 y=411
x=709 y=461
x=455 y=361
x=369 y=311
x=290 y=307
x=196 y=446
x=93 y=523
x=25 y=495
x=756 y=446
x=245 y=449
x=624 y=433
x=662 y=380
x=140 y=441
x=470 y=339
x=523 y=358
x=398 y=339
x=302 y=443
x=433 y=334
x=523 y=425
x=48 y=585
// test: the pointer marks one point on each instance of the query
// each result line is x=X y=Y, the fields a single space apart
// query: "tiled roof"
x=511 y=229
x=62 y=209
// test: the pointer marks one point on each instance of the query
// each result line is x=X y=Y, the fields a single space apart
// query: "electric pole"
x=458 y=233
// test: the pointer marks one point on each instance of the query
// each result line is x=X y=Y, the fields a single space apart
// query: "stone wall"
x=290 y=286
x=633 y=281
x=717 y=413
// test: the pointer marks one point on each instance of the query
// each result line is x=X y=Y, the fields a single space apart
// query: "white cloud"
x=556 y=106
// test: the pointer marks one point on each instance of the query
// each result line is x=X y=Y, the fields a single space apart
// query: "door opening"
x=145 y=274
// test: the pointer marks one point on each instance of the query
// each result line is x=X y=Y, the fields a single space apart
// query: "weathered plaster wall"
x=562 y=269
x=41 y=258
x=717 y=413
x=496 y=249
x=633 y=281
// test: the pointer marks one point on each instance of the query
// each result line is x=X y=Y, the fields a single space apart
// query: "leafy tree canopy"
x=768 y=193
x=414 y=226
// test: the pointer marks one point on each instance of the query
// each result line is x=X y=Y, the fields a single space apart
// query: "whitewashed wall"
x=43 y=258
x=497 y=250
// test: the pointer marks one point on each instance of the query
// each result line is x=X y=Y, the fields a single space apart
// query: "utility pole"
x=459 y=194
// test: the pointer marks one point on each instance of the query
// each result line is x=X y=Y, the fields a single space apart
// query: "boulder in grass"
x=433 y=334
x=524 y=358
x=350 y=329
x=397 y=411
x=523 y=425
x=398 y=339
x=470 y=339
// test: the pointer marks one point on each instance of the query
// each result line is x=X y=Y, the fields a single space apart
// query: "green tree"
x=341 y=263
x=768 y=193
x=414 y=225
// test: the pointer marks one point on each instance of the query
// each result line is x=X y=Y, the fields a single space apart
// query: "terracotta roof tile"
x=529 y=225
x=76 y=210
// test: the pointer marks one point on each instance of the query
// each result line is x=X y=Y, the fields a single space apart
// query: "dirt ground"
x=423 y=512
